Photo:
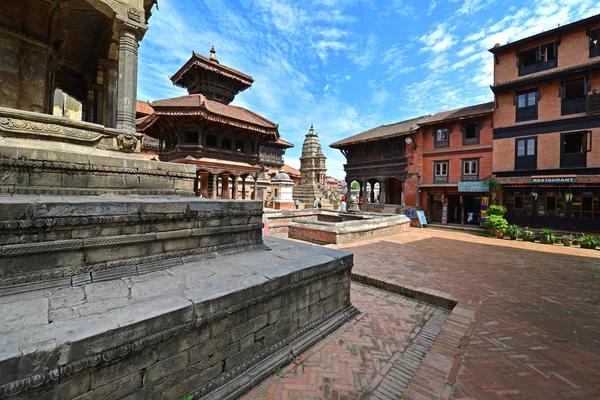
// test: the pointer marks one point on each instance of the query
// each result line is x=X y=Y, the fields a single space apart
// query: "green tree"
x=355 y=185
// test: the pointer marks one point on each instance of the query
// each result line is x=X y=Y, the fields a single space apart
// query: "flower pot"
x=557 y=240
x=567 y=243
x=499 y=234
x=576 y=242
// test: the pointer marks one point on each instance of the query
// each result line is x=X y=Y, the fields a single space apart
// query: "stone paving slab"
x=527 y=320
x=374 y=355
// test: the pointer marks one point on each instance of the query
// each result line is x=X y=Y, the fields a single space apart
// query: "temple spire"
x=213 y=53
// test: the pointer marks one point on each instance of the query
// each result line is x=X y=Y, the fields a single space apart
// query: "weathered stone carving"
x=134 y=14
x=127 y=142
x=25 y=127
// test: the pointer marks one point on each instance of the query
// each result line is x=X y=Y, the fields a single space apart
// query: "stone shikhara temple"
x=115 y=280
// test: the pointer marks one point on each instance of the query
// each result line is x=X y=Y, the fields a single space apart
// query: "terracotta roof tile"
x=383 y=131
x=290 y=170
x=143 y=108
x=458 y=113
x=198 y=101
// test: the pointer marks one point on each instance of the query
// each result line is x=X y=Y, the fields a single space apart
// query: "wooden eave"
x=545 y=77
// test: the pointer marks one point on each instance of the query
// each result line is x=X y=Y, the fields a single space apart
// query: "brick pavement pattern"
x=536 y=321
x=374 y=355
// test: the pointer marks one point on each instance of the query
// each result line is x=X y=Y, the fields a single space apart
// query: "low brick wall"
x=210 y=335
x=276 y=223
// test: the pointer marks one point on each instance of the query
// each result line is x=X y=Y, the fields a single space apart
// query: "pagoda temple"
x=223 y=141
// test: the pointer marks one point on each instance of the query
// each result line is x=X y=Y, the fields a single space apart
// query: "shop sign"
x=473 y=187
x=553 y=180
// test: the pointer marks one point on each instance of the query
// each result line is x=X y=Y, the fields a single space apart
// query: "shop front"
x=459 y=204
x=558 y=203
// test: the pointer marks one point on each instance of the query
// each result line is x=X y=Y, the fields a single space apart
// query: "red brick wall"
x=548 y=152
x=458 y=151
x=549 y=105
x=415 y=159
x=573 y=50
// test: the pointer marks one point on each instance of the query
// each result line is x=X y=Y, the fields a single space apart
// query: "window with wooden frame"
x=190 y=137
x=526 y=154
x=440 y=171
x=470 y=170
x=239 y=146
x=470 y=132
x=594 y=43
x=574 y=149
x=527 y=105
x=539 y=58
x=518 y=202
x=573 y=95
x=211 y=141
x=441 y=137
x=226 y=143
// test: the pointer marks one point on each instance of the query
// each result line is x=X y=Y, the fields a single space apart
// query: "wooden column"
x=256 y=187
x=225 y=186
x=244 y=187
x=234 y=185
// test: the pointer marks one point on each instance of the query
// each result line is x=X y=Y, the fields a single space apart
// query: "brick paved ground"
x=375 y=354
x=535 y=331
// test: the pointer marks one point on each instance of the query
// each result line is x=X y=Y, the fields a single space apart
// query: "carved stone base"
x=210 y=329
x=48 y=242
x=40 y=167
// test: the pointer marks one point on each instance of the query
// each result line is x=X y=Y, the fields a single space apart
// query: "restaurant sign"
x=554 y=180
x=473 y=187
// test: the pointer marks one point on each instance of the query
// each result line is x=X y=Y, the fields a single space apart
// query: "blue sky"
x=345 y=65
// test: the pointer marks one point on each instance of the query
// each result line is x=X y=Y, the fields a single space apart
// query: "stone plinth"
x=53 y=241
x=44 y=154
x=210 y=328
x=332 y=228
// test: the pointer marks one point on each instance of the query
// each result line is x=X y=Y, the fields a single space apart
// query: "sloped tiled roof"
x=290 y=170
x=381 y=132
x=143 y=108
x=458 y=113
x=199 y=103
x=213 y=65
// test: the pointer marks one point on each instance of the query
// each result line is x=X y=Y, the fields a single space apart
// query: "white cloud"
x=439 y=39
x=432 y=6
x=466 y=51
x=471 y=6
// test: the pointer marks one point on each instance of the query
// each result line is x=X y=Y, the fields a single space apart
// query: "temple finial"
x=213 y=53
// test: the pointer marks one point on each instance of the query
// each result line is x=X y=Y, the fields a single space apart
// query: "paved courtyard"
x=527 y=323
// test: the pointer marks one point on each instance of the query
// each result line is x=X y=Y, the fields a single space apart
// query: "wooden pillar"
x=256 y=187
x=215 y=187
x=244 y=187
x=373 y=191
x=382 y=192
x=225 y=186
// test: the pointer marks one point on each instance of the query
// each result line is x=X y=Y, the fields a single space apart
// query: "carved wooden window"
x=440 y=171
x=190 y=137
x=527 y=106
x=470 y=131
x=239 y=146
x=539 y=58
x=211 y=141
x=470 y=171
x=442 y=137
x=226 y=143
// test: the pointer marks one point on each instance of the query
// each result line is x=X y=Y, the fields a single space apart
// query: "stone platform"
x=210 y=328
x=328 y=227
x=53 y=241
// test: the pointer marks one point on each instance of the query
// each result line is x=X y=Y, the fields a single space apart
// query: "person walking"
x=319 y=204
x=297 y=203
x=343 y=205
x=316 y=203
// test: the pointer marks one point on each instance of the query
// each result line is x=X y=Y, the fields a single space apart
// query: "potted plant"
x=528 y=235
x=576 y=240
x=496 y=210
x=547 y=236
x=567 y=240
x=589 y=242
x=513 y=231
x=496 y=224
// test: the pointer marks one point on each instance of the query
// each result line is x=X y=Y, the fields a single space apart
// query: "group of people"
x=318 y=204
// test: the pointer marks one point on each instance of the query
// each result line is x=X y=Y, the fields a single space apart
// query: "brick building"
x=547 y=115
x=386 y=162
x=457 y=157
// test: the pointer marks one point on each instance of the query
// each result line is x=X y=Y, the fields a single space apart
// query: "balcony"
x=537 y=67
x=526 y=114
x=593 y=104
x=573 y=106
